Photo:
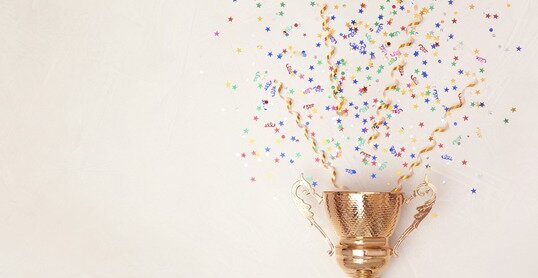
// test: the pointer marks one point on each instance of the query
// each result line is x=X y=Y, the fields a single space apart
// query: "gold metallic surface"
x=364 y=222
x=423 y=189
x=302 y=187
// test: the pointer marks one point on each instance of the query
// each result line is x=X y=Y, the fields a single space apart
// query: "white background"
x=117 y=157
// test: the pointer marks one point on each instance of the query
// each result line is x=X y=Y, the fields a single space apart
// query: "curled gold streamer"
x=442 y=128
x=386 y=102
x=334 y=71
x=307 y=134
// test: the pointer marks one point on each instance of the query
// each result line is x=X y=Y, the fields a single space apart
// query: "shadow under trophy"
x=364 y=221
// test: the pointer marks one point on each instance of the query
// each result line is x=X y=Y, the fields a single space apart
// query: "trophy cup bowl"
x=364 y=221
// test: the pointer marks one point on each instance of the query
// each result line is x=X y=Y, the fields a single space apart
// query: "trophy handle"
x=304 y=186
x=424 y=188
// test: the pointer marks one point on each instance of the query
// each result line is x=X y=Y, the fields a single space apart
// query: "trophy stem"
x=363 y=257
x=365 y=274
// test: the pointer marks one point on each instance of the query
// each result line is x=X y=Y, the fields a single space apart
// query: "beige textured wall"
x=117 y=158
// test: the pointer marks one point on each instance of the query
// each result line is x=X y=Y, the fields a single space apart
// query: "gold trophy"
x=364 y=221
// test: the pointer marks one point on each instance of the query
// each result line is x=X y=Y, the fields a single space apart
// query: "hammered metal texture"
x=363 y=214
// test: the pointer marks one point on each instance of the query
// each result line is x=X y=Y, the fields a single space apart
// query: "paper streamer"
x=307 y=134
x=386 y=102
x=334 y=71
x=433 y=144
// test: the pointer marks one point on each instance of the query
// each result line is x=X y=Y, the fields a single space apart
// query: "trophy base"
x=363 y=257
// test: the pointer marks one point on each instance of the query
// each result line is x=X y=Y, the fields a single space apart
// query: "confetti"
x=333 y=68
x=308 y=135
x=387 y=82
x=431 y=138
x=386 y=103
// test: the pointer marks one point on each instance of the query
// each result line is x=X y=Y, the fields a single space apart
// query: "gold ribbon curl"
x=341 y=101
x=431 y=138
x=307 y=134
x=334 y=71
x=386 y=102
